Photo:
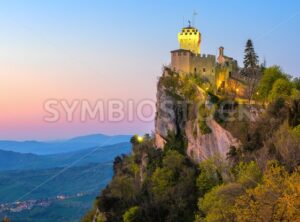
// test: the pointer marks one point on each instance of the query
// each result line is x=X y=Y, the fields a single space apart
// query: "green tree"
x=286 y=146
x=276 y=199
x=173 y=190
x=296 y=131
x=218 y=204
x=209 y=176
x=269 y=77
x=282 y=88
x=296 y=82
x=250 y=58
x=123 y=187
x=173 y=161
x=176 y=142
x=131 y=215
x=162 y=180
x=248 y=174
x=294 y=113
x=251 y=69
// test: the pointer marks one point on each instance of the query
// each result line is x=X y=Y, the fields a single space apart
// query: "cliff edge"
x=187 y=109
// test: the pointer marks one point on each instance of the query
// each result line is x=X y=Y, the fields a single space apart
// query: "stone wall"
x=187 y=62
x=181 y=61
x=204 y=65
x=220 y=75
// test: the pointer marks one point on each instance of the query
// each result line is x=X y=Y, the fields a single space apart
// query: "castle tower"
x=221 y=58
x=189 y=39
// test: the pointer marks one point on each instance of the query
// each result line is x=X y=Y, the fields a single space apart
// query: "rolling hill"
x=27 y=176
x=62 y=146
x=10 y=160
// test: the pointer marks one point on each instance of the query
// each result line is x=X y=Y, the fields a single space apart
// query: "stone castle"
x=224 y=78
x=222 y=72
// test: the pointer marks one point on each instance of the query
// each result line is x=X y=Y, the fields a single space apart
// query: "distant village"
x=20 y=206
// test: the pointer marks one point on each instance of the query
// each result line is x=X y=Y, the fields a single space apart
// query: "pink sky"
x=26 y=86
x=103 y=50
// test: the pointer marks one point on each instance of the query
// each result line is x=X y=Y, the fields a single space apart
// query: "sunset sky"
x=102 y=50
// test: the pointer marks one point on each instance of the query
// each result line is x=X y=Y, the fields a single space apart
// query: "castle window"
x=184 y=53
x=212 y=70
x=195 y=69
x=179 y=53
x=204 y=69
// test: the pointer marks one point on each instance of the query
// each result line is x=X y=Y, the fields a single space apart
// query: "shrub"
x=282 y=88
x=232 y=152
x=296 y=131
x=131 y=215
x=276 y=199
x=176 y=142
x=270 y=76
x=209 y=176
x=204 y=128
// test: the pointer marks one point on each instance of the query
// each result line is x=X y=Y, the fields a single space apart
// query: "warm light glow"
x=140 y=139
x=237 y=90
x=190 y=38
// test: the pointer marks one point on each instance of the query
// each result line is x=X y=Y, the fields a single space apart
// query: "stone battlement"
x=207 y=56
x=221 y=71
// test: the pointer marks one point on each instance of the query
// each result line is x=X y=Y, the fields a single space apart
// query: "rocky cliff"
x=192 y=120
x=180 y=115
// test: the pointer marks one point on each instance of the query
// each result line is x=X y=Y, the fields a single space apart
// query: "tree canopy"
x=250 y=59
x=270 y=76
x=282 y=88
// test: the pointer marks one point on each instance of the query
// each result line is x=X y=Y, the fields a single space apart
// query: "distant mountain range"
x=10 y=160
x=41 y=170
x=62 y=146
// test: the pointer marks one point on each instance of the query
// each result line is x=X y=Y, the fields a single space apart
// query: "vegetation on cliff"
x=150 y=185
x=259 y=180
x=156 y=185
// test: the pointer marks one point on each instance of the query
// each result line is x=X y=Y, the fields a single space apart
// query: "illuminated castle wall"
x=190 y=39
x=187 y=59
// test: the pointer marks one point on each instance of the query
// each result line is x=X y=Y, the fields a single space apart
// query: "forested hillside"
x=258 y=180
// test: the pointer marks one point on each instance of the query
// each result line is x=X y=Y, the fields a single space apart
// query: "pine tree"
x=250 y=59
x=251 y=68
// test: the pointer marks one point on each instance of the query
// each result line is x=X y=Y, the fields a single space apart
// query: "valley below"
x=55 y=187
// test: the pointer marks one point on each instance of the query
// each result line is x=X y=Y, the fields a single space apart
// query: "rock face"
x=202 y=146
x=169 y=116
x=180 y=118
